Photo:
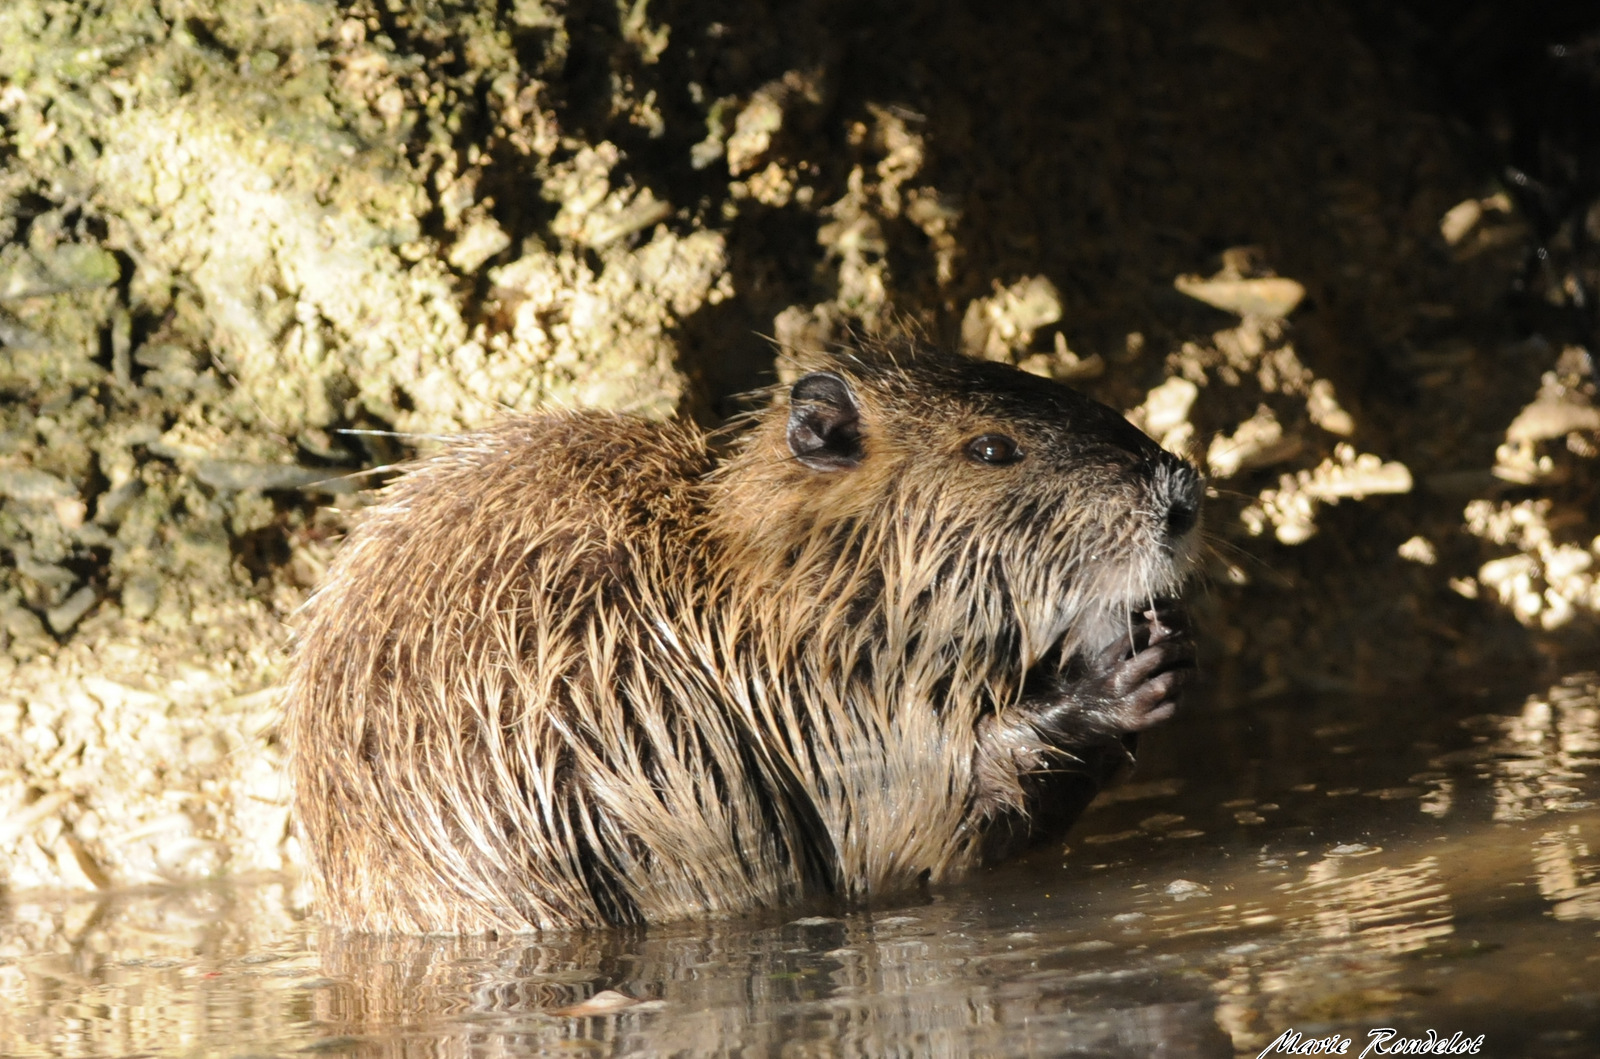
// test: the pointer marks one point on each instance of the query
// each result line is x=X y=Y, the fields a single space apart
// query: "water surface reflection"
x=1312 y=867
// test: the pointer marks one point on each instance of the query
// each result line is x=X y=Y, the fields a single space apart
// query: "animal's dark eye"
x=993 y=448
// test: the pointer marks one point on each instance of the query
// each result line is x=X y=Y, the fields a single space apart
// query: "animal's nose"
x=1183 y=493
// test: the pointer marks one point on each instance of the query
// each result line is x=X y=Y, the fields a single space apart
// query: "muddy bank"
x=256 y=252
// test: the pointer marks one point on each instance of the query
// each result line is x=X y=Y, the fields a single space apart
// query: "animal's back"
x=487 y=730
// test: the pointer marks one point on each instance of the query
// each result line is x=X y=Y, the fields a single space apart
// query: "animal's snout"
x=1180 y=490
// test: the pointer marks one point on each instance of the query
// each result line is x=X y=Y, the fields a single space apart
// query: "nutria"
x=578 y=669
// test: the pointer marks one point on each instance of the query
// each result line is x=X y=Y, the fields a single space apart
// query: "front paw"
x=1039 y=764
x=1134 y=683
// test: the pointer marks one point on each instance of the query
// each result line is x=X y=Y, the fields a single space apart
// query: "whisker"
x=1217 y=545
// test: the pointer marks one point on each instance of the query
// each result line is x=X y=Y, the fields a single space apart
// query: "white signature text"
x=1381 y=1041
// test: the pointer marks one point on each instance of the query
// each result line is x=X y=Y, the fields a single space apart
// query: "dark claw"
x=1165 y=621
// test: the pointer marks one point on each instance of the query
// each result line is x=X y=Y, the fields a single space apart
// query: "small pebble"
x=72 y=609
x=31 y=486
x=1273 y=297
x=1183 y=889
x=140 y=596
x=602 y=1003
x=19 y=622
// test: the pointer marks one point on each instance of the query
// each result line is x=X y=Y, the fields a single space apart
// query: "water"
x=1313 y=867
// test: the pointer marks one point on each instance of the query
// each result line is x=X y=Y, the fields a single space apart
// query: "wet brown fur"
x=575 y=670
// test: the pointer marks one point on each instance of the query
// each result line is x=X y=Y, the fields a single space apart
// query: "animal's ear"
x=824 y=423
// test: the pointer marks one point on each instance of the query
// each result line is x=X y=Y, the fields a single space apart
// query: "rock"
x=71 y=610
x=602 y=1003
x=482 y=240
x=140 y=596
x=754 y=128
x=56 y=578
x=116 y=503
x=997 y=327
x=18 y=820
x=1324 y=409
x=621 y=219
x=167 y=357
x=1183 y=890
x=1420 y=550
x=32 y=486
x=1459 y=220
x=79 y=868
x=1063 y=364
x=1291 y=508
x=19 y=622
x=1554 y=415
x=1258 y=442
x=69 y=267
x=1164 y=415
x=17 y=336
x=239 y=476
x=1272 y=297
